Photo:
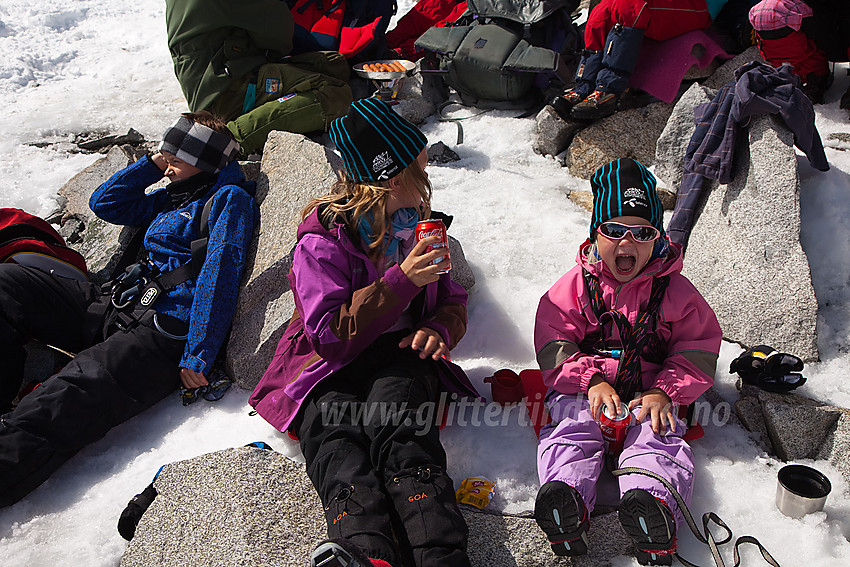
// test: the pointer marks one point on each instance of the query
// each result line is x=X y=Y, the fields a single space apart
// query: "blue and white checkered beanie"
x=624 y=188
x=376 y=143
x=199 y=146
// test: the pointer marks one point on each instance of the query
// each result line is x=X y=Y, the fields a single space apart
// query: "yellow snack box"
x=476 y=491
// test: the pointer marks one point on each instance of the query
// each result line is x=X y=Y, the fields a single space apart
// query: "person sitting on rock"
x=623 y=326
x=135 y=341
x=376 y=316
x=613 y=36
x=808 y=35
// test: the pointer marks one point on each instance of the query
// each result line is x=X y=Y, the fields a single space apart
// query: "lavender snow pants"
x=571 y=450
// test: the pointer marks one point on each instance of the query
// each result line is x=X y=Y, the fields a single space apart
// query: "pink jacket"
x=686 y=325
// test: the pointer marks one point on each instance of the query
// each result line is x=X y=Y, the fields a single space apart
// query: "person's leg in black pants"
x=336 y=451
x=407 y=454
x=36 y=305
x=104 y=385
x=382 y=445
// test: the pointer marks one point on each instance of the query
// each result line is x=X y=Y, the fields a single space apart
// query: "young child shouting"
x=374 y=322
x=623 y=325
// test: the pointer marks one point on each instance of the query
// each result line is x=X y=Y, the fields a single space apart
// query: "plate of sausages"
x=384 y=69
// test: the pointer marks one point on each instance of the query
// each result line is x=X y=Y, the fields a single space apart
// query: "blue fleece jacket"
x=208 y=303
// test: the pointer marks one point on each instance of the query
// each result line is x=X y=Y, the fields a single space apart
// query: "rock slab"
x=293 y=171
x=794 y=427
x=676 y=135
x=744 y=253
x=630 y=133
x=254 y=507
x=97 y=240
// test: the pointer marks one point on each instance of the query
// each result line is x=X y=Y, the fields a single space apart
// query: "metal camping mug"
x=801 y=490
x=506 y=386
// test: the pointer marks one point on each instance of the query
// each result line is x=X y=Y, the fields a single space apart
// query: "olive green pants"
x=302 y=95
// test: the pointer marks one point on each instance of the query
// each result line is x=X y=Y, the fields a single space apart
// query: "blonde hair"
x=351 y=201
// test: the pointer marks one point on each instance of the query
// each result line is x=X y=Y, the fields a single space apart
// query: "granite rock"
x=629 y=133
x=757 y=280
x=726 y=72
x=554 y=134
x=674 y=139
x=254 y=507
x=292 y=172
x=97 y=240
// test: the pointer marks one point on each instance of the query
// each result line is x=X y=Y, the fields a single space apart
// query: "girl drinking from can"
x=359 y=370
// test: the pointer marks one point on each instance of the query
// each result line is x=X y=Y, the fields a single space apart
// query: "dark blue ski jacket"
x=207 y=304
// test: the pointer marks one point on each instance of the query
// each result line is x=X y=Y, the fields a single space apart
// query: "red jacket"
x=423 y=15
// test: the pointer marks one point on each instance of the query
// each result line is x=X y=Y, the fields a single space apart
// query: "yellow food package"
x=476 y=491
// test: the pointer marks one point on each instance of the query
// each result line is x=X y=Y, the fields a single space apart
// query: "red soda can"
x=434 y=227
x=614 y=427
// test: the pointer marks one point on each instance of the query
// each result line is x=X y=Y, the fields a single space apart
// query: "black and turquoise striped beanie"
x=376 y=143
x=624 y=188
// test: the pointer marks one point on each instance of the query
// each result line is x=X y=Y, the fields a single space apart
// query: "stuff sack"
x=355 y=28
x=504 y=53
x=31 y=241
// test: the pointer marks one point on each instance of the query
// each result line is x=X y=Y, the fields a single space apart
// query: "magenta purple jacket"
x=686 y=325
x=342 y=304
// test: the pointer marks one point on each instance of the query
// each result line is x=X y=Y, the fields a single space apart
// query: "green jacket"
x=214 y=41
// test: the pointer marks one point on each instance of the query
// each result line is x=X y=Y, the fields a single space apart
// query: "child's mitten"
x=769 y=369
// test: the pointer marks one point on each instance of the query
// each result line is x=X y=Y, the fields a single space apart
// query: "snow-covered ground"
x=96 y=65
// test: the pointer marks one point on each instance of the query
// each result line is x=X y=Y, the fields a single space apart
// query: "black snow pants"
x=373 y=452
x=106 y=383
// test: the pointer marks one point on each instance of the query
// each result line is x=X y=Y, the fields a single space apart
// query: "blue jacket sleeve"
x=233 y=216
x=122 y=199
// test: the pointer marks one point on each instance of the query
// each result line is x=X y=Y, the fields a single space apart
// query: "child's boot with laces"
x=622 y=47
x=560 y=512
x=589 y=65
x=650 y=524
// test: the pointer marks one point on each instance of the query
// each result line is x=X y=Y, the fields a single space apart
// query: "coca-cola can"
x=614 y=427
x=434 y=227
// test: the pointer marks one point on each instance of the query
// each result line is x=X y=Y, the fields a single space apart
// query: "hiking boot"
x=597 y=105
x=649 y=522
x=560 y=512
x=564 y=103
x=342 y=553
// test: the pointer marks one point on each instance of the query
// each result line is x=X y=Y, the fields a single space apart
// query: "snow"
x=104 y=66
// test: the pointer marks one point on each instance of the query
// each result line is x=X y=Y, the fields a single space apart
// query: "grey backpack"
x=504 y=53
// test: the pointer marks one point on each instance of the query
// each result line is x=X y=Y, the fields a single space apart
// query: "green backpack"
x=504 y=53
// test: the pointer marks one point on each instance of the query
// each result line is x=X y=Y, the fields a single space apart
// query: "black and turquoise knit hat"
x=625 y=188
x=376 y=143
